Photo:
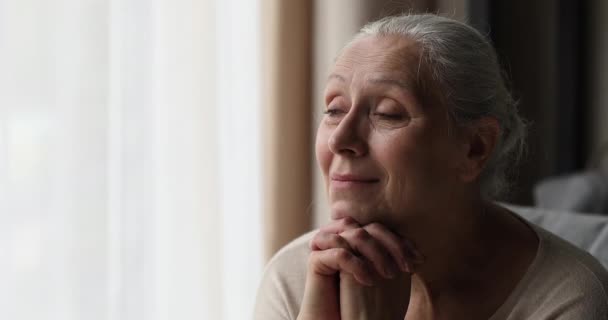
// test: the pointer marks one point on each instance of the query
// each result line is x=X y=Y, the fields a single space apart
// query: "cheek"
x=411 y=164
x=421 y=170
x=404 y=165
x=322 y=152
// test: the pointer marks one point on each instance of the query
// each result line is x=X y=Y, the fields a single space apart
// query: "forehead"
x=394 y=55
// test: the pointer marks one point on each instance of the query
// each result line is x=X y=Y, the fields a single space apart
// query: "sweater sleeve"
x=591 y=304
x=271 y=303
x=281 y=290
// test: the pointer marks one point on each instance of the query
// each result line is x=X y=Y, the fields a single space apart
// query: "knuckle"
x=344 y=223
x=313 y=257
x=360 y=234
x=318 y=237
x=347 y=221
x=311 y=243
x=341 y=254
x=315 y=237
x=335 y=239
x=374 y=227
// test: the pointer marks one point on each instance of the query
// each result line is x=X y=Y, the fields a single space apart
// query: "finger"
x=362 y=242
x=325 y=240
x=341 y=225
x=329 y=262
x=395 y=245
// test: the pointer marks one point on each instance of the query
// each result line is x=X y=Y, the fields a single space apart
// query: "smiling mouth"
x=355 y=180
x=345 y=181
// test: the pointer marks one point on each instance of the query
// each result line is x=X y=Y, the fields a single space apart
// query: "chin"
x=363 y=213
x=366 y=213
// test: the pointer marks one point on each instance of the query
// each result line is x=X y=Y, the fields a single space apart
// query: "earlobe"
x=481 y=143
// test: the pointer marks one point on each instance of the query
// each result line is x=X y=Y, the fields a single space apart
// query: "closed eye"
x=389 y=116
x=333 y=112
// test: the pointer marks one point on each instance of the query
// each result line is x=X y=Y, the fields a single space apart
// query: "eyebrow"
x=336 y=76
x=386 y=81
x=393 y=82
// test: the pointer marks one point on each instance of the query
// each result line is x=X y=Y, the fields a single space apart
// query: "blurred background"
x=154 y=154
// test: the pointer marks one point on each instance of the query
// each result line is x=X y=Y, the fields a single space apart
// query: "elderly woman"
x=418 y=132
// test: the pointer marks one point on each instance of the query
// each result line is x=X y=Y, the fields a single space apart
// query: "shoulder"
x=566 y=280
x=289 y=257
x=282 y=287
x=562 y=258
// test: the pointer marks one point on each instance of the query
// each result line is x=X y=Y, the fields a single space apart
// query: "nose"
x=348 y=137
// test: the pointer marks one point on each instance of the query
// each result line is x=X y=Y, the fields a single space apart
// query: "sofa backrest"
x=587 y=231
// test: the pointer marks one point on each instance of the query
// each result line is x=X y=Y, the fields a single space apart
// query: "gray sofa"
x=586 y=231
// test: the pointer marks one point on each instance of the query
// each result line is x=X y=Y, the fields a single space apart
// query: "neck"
x=457 y=243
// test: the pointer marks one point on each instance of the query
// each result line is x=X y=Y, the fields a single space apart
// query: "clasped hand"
x=358 y=272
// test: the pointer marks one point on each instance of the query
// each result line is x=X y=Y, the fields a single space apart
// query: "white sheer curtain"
x=129 y=159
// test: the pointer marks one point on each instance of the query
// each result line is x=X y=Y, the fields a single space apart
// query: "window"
x=129 y=159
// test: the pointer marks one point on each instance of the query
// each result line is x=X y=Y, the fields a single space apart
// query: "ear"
x=481 y=139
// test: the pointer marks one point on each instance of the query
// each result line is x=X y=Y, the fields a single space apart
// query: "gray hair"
x=464 y=67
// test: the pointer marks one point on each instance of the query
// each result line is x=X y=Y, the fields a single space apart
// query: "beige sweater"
x=563 y=283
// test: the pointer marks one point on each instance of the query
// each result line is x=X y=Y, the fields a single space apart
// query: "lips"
x=352 y=179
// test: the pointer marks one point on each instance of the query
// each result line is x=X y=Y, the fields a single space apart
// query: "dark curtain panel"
x=539 y=44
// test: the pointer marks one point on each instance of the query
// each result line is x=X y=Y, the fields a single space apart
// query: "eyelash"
x=332 y=112
x=335 y=112
x=389 y=116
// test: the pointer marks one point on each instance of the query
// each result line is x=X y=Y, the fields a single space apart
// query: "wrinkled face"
x=385 y=155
